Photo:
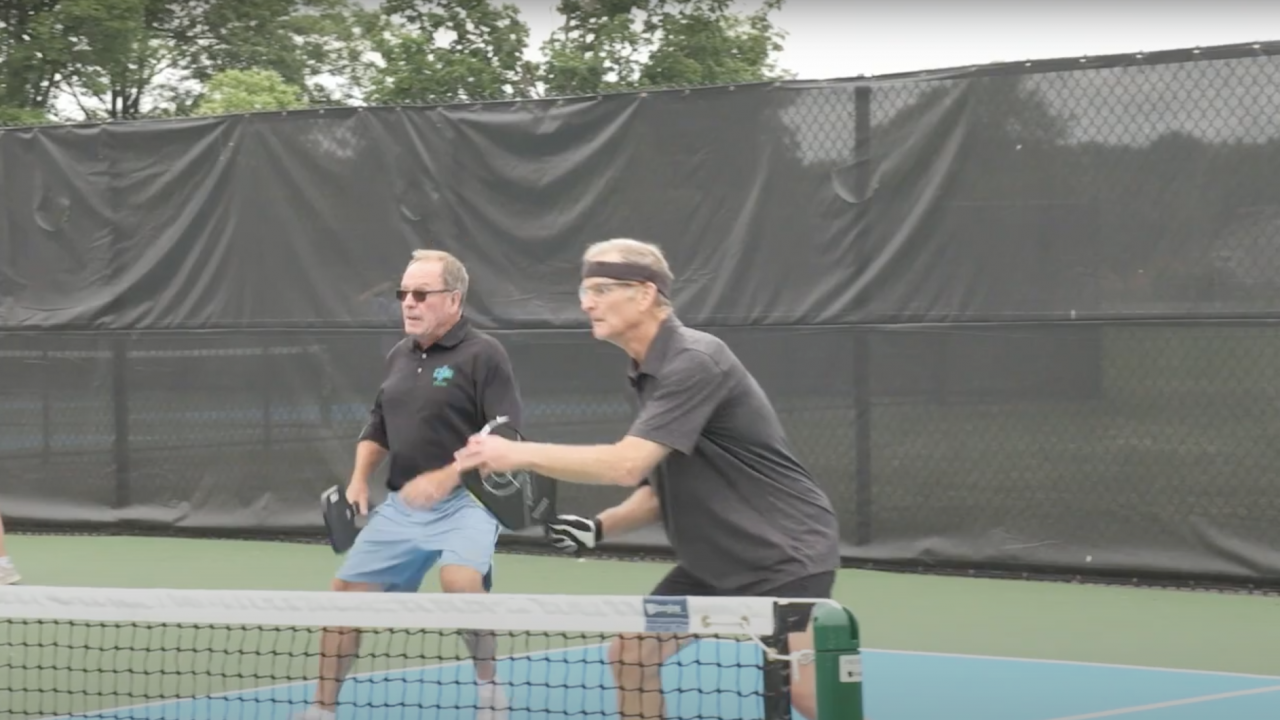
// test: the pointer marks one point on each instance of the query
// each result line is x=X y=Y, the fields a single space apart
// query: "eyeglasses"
x=418 y=295
x=601 y=289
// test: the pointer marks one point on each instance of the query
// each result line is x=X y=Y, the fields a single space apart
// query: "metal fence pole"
x=120 y=416
x=862 y=170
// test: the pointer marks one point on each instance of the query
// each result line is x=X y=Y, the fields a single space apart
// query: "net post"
x=837 y=663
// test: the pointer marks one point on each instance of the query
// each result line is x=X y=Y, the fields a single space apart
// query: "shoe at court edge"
x=492 y=701
x=314 y=713
x=9 y=575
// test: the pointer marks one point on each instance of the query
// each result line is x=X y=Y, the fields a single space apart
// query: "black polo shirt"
x=740 y=510
x=434 y=399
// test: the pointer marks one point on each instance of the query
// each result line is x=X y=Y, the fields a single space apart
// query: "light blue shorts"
x=400 y=544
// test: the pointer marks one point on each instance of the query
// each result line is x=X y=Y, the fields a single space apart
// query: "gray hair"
x=633 y=251
x=452 y=271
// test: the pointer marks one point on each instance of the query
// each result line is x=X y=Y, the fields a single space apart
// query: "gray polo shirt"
x=740 y=510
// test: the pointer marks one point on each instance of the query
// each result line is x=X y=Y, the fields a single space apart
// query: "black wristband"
x=599 y=528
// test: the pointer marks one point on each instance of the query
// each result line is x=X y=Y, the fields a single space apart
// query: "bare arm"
x=371 y=446
x=639 y=510
x=626 y=462
x=672 y=420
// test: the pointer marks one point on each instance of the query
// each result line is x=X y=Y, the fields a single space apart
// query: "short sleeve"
x=375 y=429
x=689 y=389
x=497 y=389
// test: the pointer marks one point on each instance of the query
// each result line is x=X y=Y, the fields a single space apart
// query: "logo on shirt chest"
x=442 y=375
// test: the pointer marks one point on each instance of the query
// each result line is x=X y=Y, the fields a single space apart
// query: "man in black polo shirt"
x=709 y=457
x=444 y=382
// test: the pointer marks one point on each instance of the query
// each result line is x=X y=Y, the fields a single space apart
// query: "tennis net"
x=165 y=654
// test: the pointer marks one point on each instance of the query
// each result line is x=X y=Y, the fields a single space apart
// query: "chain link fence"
x=1026 y=325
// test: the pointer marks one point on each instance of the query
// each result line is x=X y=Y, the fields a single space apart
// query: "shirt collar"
x=658 y=350
x=451 y=338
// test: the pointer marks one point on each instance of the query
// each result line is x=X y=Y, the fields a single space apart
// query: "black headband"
x=627 y=271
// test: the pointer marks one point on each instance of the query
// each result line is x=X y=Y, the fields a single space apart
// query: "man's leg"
x=384 y=558
x=468 y=537
x=8 y=573
x=637 y=658
x=339 y=648
x=804 y=689
x=482 y=644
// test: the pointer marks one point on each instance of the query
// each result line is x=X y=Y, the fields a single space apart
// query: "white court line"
x=1108 y=713
x=1084 y=663
x=108 y=712
x=1171 y=703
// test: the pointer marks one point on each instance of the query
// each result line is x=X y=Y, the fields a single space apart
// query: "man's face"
x=425 y=304
x=613 y=306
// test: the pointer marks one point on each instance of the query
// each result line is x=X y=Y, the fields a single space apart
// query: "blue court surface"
x=716 y=680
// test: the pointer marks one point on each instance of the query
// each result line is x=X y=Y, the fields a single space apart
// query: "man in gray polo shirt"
x=709 y=459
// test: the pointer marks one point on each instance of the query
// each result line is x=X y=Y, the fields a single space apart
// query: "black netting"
x=1012 y=317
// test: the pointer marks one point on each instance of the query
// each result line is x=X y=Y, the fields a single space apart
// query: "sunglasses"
x=418 y=295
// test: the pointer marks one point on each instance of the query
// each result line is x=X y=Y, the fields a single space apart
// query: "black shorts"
x=681 y=582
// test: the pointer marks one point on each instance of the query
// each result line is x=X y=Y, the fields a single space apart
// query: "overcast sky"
x=844 y=38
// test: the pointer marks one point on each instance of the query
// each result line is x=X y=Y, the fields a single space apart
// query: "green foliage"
x=599 y=48
x=120 y=59
x=239 y=91
x=19 y=117
x=610 y=45
x=126 y=58
x=438 y=51
x=700 y=42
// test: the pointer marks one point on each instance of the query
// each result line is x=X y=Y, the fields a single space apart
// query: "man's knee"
x=637 y=659
x=461 y=579
x=340 y=585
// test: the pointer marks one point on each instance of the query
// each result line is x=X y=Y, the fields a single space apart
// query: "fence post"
x=120 y=417
x=863 y=172
x=837 y=663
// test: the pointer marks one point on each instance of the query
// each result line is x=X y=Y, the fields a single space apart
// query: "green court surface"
x=981 y=644
x=1011 y=618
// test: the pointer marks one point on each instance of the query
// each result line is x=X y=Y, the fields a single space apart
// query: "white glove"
x=572 y=534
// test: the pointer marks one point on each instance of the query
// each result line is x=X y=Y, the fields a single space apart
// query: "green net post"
x=838 y=663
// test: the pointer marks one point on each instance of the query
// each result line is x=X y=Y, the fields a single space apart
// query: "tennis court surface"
x=219 y=655
x=1073 y=652
x=168 y=653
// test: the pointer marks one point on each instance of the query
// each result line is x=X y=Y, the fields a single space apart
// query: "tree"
x=29 y=62
x=111 y=52
x=440 y=51
x=126 y=58
x=296 y=39
x=700 y=42
x=437 y=51
x=11 y=117
x=238 y=91
x=609 y=45
x=123 y=59
x=597 y=49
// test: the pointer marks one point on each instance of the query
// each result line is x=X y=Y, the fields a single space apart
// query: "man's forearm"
x=446 y=477
x=585 y=464
x=639 y=510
